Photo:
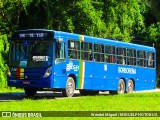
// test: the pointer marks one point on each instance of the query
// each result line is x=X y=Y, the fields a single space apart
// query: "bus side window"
x=60 y=50
x=99 y=52
x=110 y=54
x=150 y=59
x=90 y=52
x=131 y=56
x=141 y=58
x=113 y=55
x=121 y=55
x=73 y=49
x=86 y=51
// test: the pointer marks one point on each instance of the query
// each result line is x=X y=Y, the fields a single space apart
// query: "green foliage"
x=9 y=15
x=123 y=19
x=26 y=3
x=3 y=58
x=154 y=32
x=89 y=19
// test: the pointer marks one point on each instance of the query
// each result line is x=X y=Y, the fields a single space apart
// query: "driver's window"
x=60 y=50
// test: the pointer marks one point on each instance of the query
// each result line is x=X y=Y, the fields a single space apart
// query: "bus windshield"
x=30 y=54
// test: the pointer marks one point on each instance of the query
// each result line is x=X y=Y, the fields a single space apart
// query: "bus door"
x=60 y=64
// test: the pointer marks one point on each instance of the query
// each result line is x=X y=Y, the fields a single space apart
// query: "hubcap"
x=130 y=87
x=121 y=87
x=70 y=88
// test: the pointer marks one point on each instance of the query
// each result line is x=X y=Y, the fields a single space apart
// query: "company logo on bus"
x=71 y=66
x=126 y=70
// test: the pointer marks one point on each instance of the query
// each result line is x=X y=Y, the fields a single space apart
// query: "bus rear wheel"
x=70 y=87
x=30 y=92
x=121 y=86
x=130 y=88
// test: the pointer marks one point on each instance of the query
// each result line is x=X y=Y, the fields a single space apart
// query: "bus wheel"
x=121 y=86
x=70 y=87
x=130 y=88
x=30 y=92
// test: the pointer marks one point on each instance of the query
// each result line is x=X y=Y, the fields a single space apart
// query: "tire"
x=121 y=86
x=30 y=92
x=70 y=87
x=130 y=86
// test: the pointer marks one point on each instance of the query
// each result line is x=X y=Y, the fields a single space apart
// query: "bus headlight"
x=48 y=72
x=9 y=72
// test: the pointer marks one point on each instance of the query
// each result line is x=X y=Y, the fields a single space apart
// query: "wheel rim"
x=70 y=88
x=130 y=86
x=121 y=88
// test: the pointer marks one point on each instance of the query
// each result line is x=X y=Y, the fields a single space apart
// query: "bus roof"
x=105 y=41
x=91 y=39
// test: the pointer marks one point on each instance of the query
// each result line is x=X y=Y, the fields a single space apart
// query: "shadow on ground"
x=50 y=95
x=18 y=96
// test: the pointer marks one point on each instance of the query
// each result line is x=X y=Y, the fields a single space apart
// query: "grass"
x=10 y=89
x=126 y=102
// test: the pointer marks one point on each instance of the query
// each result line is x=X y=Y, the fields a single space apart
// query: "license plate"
x=26 y=83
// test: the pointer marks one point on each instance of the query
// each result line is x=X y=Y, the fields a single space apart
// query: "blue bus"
x=61 y=61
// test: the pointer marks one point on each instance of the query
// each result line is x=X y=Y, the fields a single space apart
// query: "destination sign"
x=32 y=35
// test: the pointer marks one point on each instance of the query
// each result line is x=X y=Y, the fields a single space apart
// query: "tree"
x=123 y=19
x=9 y=19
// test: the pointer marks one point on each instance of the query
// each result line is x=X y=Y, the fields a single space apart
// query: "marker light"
x=48 y=72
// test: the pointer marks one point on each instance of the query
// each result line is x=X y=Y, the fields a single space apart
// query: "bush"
x=3 y=61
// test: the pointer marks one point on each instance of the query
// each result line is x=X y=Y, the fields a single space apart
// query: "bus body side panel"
x=60 y=75
x=71 y=68
x=145 y=79
x=110 y=71
x=150 y=78
x=85 y=77
x=98 y=82
x=141 y=79
x=103 y=77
